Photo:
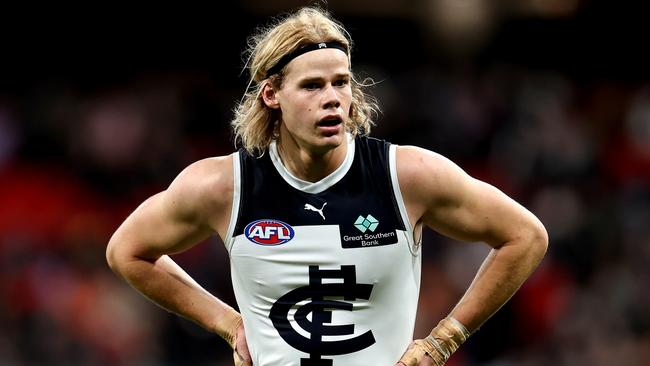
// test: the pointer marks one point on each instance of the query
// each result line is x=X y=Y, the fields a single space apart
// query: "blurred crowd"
x=75 y=160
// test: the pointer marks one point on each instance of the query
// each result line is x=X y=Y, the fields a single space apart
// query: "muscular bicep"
x=445 y=198
x=195 y=205
x=477 y=211
x=157 y=227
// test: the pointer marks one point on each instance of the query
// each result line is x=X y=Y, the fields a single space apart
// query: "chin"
x=330 y=142
x=337 y=138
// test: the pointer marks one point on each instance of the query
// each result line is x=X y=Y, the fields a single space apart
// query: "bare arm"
x=442 y=196
x=195 y=205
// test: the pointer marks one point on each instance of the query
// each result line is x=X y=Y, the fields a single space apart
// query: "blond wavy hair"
x=254 y=124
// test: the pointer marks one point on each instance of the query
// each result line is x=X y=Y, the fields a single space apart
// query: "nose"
x=330 y=97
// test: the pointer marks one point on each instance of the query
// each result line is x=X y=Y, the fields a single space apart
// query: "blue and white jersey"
x=324 y=273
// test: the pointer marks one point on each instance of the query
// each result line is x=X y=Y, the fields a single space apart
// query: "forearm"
x=169 y=286
x=502 y=273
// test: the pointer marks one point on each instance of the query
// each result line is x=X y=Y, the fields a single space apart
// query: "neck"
x=309 y=165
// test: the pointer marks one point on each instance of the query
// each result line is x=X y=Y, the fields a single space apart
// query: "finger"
x=241 y=355
x=238 y=360
x=427 y=361
x=412 y=356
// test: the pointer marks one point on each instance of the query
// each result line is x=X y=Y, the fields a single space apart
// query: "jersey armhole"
x=236 y=196
x=397 y=193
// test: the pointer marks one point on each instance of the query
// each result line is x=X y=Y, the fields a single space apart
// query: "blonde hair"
x=254 y=123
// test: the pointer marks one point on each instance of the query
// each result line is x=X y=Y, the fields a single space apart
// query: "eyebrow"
x=319 y=78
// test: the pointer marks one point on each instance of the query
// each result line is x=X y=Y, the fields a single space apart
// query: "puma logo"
x=309 y=207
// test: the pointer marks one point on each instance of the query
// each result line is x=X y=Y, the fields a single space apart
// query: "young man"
x=322 y=224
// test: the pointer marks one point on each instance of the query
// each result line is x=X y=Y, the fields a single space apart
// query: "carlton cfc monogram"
x=319 y=308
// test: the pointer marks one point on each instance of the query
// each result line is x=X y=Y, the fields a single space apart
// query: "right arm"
x=196 y=204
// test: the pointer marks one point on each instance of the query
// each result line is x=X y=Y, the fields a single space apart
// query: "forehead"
x=317 y=63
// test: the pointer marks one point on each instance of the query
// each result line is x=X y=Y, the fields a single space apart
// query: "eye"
x=311 y=86
x=341 y=82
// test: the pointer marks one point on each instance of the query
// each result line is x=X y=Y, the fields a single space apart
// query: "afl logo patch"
x=268 y=232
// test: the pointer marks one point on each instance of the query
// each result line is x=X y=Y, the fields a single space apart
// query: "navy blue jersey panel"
x=365 y=190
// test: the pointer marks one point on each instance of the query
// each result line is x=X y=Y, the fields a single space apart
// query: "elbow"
x=123 y=257
x=538 y=241
x=114 y=256
x=111 y=256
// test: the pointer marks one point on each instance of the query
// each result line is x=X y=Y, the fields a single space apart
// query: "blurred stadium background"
x=549 y=100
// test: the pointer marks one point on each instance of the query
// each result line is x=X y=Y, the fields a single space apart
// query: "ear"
x=270 y=96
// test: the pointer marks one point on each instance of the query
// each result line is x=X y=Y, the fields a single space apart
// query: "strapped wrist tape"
x=445 y=339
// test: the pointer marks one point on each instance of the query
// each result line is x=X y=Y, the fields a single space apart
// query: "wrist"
x=445 y=339
x=226 y=326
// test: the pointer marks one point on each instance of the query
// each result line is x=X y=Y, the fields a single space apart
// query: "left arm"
x=442 y=196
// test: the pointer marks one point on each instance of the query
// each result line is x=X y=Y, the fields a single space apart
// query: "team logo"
x=269 y=232
x=320 y=307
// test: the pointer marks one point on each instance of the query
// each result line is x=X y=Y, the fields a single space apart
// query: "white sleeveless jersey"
x=324 y=273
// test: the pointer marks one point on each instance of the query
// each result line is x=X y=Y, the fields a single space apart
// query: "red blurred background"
x=548 y=100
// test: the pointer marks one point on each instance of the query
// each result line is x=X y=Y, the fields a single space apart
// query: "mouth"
x=330 y=121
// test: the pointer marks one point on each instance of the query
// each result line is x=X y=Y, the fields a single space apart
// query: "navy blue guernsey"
x=265 y=194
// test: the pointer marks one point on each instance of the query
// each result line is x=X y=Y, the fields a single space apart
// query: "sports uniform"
x=324 y=273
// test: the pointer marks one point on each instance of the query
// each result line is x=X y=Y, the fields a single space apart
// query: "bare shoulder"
x=428 y=180
x=202 y=190
x=444 y=197
x=421 y=170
